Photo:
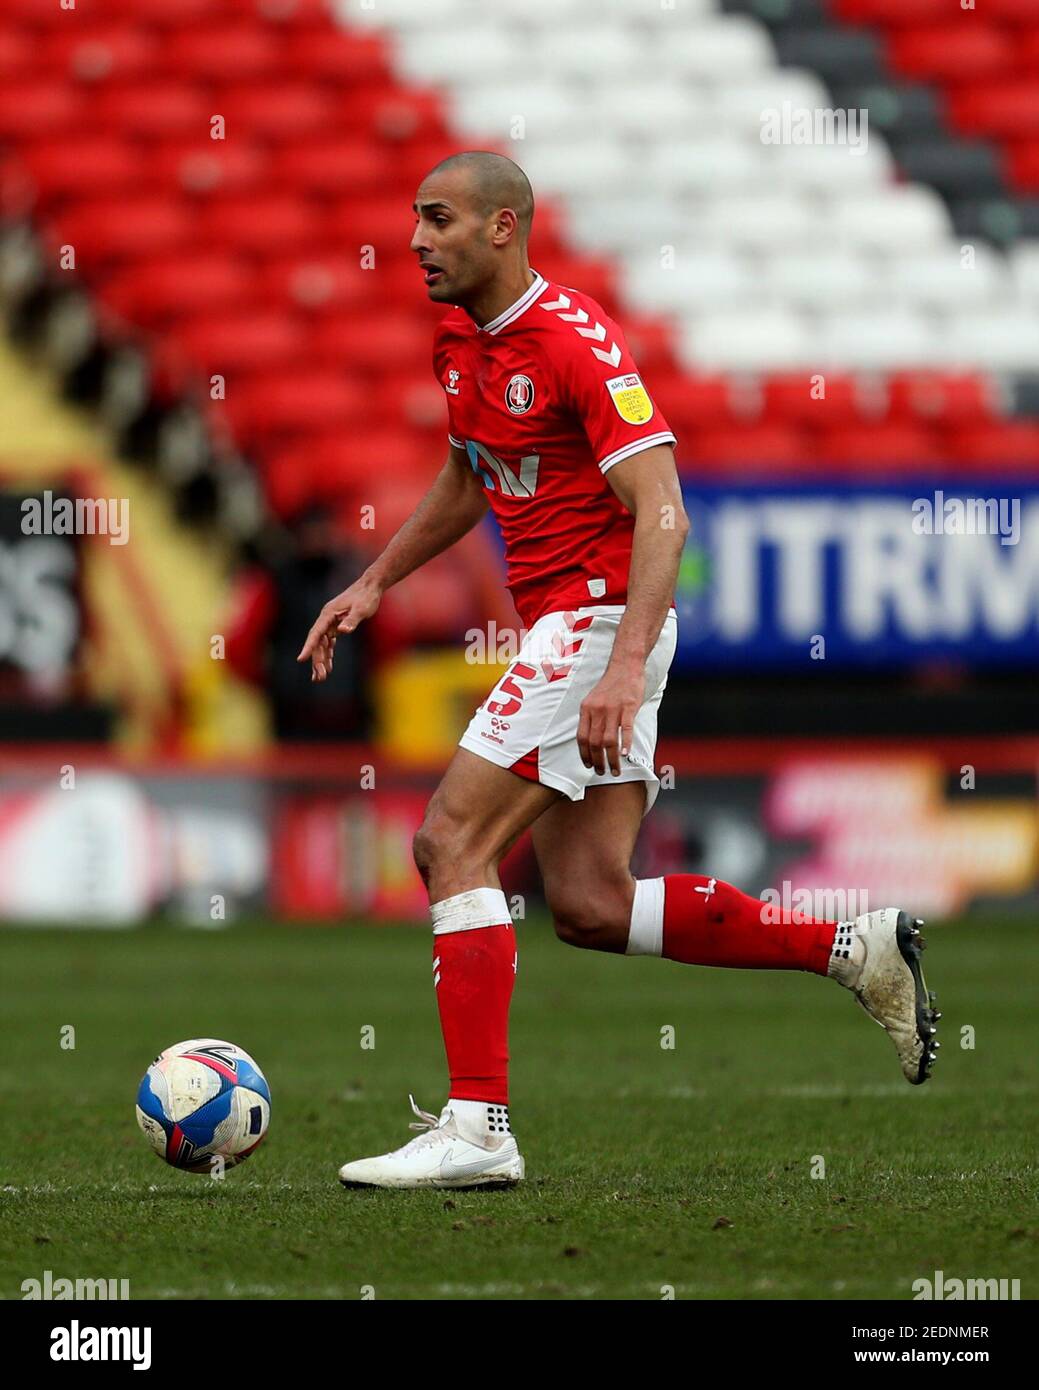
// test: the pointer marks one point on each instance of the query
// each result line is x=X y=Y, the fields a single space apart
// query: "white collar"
x=513 y=312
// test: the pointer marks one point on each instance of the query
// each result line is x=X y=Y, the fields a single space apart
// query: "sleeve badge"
x=631 y=398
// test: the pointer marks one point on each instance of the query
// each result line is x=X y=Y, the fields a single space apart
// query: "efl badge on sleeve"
x=631 y=398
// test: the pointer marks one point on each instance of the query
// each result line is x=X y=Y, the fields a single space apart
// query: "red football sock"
x=707 y=922
x=474 y=972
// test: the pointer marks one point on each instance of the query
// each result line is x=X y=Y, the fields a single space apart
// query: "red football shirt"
x=545 y=399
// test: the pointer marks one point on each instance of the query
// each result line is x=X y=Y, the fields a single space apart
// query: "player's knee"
x=595 y=920
x=440 y=841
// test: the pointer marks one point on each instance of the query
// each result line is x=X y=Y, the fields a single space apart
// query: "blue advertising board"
x=895 y=573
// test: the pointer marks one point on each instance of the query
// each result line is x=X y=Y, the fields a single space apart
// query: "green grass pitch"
x=649 y=1168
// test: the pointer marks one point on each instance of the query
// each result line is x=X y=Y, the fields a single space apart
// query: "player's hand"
x=608 y=712
x=340 y=614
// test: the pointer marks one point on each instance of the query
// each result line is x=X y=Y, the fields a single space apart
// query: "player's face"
x=452 y=241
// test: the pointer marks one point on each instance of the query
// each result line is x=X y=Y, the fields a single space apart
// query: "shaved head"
x=493 y=182
x=472 y=220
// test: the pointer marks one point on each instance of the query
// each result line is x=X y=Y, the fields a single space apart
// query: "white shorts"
x=528 y=722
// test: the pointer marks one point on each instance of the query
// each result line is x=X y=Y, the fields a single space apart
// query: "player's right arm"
x=450 y=509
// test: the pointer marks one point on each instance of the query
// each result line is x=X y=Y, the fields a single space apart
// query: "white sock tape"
x=479 y=907
x=646 y=937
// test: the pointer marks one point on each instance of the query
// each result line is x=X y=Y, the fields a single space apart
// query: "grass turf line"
x=637 y=1156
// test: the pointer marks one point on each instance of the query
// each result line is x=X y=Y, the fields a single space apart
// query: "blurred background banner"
x=861 y=573
x=817 y=222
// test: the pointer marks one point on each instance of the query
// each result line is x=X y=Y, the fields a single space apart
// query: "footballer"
x=553 y=429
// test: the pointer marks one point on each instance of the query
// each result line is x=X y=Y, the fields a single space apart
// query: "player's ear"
x=505 y=226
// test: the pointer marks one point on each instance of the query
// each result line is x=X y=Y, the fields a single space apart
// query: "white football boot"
x=878 y=958
x=443 y=1155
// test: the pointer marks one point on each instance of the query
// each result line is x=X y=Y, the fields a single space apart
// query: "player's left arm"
x=647 y=483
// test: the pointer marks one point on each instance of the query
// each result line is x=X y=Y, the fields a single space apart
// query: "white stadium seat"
x=1024 y=266
x=698 y=281
x=437 y=55
x=755 y=340
x=825 y=278
x=652 y=123
x=627 y=226
x=744 y=106
x=893 y=219
x=940 y=279
x=999 y=339
x=705 y=164
x=544 y=109
x=830 y=167
x=731 y=47
x=877 y=338
x=758 y=220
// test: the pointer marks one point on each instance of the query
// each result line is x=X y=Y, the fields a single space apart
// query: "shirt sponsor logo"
x=631 y=398
x=519 y=394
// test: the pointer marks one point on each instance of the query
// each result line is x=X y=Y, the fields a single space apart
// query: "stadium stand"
x=906 y=270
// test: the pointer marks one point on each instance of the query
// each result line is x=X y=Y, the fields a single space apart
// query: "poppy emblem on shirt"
x=519 y=394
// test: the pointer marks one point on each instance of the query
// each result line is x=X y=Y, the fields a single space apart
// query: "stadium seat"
x=266 y=224
x=106 y=232
x=79 y=166
x=944 y=398
x=153 y=293
x=286 y=111
x=875 y=445
x=211 y=52
x=820 y=399
x=1008 y=108
x=943 y=52
x=751 y=446
x=200 y=165
x=291 y=401
x=332 y=166
x=152 y=108
x=1007 y=443
x=96 y=51
x=37 y=107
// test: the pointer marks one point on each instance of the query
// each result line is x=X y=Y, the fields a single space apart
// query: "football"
x=204 y=1105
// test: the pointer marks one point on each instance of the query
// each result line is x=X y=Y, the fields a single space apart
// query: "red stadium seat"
x=890 y=11
x=795 y=398
x=877 y=445
x=201 y=165
x=393 y=114
x=292 y=402
x=943 y=398
x=691 y=404
x=155 y=293
x=234 y=344
x=105 y=232
x=385 y=223
x=330 y=467
x=763 y=445
x=33 y=108
x=335 y=166
x=316 y=51
x=17 y=53
x=99 y=51
x=212 y=52
x=79 y=166
x=386 y=341
x=1008 y=108
x=1007 y=443
x=319 y=282
x=281 y=111
x=265 y=224
x=156 y=109
x=942 y=52
x=1022 y=165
